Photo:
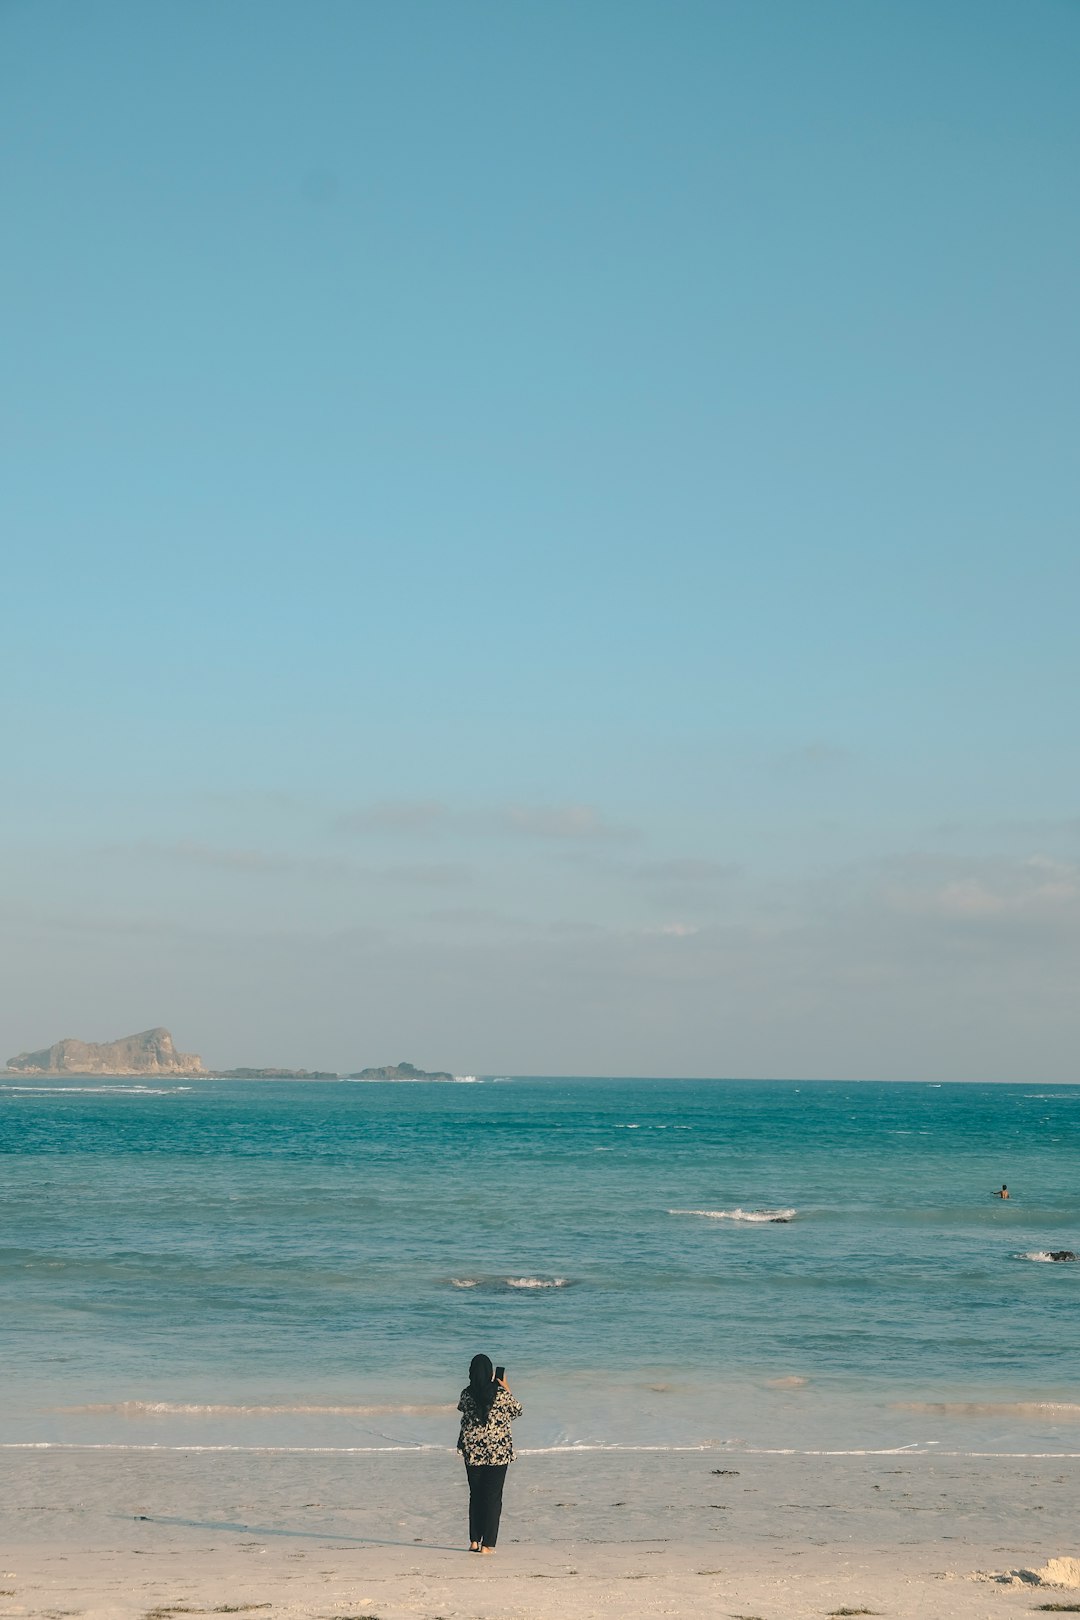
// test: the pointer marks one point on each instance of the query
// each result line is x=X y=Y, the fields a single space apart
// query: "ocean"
x=744 y=1265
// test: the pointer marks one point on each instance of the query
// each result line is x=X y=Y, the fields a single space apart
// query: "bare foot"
x=474 y=1546
x=489 y=1550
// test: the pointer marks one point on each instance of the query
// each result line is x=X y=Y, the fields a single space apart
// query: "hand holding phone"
x=500 y=1376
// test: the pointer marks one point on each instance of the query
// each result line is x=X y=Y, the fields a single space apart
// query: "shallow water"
x=765 y=1264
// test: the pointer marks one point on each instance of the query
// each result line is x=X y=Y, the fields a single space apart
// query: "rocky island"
x=152 y=1052
x=400 y=1071
x=273 y=1074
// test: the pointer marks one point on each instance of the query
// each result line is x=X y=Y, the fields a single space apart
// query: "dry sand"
x=586 y=1534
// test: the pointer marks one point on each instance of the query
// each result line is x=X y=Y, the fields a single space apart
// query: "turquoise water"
x=263 y=1263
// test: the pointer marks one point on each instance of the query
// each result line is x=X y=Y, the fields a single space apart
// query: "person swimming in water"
x=1004 y=1193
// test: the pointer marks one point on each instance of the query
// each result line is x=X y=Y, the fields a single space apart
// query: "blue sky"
x=543 y=538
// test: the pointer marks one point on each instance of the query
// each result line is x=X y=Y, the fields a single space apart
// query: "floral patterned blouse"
x=485 y=1443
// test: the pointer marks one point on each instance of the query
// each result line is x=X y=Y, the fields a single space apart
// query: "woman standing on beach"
x=487 y=1409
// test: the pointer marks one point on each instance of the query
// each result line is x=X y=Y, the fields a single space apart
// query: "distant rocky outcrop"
x=152 y=1052
x=400 y=1071
x=273 y=1074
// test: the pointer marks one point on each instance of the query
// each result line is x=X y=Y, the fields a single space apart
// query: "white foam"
x=1042 y=1255
x=753 y=1217
x=98 y=1091
x=510 y=1282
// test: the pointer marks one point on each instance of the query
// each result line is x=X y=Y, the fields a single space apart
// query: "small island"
x=273 y=1074
x=400 y=1071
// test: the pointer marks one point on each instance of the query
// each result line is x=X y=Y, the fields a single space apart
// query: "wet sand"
x=110 y=1535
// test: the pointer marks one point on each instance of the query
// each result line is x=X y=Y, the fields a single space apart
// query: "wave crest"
x=97 y=1091
x=510 y=1282
x=754 y=1217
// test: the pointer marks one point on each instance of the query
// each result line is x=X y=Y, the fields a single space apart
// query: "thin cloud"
x=431 y=875
x=1026 y=831
x=565 y=823
x=23 y=921
x=991 y=893
x=689 y=869
x=478 y=917
x=250 y=862
x=317 y=868
x=814 y=758
x=395 y=816
x=562 y=821
x=245 y=798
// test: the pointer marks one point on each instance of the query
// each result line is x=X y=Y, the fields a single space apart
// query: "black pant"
x=485 y=1500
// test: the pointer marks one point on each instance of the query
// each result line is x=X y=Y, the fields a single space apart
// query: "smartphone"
x=500 y=1374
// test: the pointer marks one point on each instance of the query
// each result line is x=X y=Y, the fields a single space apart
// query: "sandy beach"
x=105 y=1534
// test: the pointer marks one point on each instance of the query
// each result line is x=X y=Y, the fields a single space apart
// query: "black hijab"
x=482 y=1385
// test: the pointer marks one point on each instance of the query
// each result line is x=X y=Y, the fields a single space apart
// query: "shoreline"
x=616 y=1448
x=119 y=1535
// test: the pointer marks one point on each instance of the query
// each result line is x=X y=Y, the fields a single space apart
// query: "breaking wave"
x=755 y=1217
x=98 y=1091
x=1049 y=1255
x=510 y=1282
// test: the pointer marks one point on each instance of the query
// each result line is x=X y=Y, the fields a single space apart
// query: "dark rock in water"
x=274 y=1074
x=1062 y=1254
